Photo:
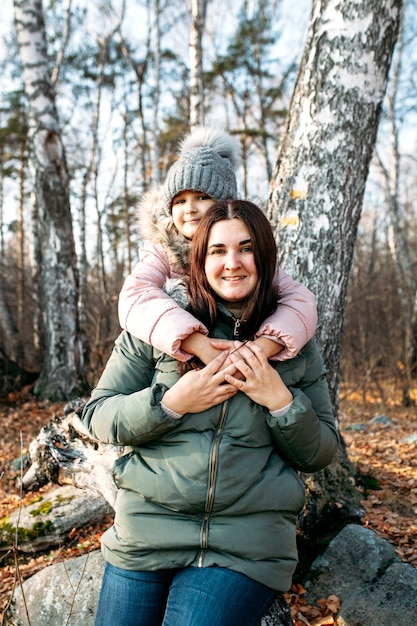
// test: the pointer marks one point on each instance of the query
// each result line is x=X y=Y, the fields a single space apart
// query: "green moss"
x=60 y=498
x=24 y=535
x=35 y=500
x=43 y=509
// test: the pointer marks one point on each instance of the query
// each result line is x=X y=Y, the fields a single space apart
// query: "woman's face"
x=230 y=264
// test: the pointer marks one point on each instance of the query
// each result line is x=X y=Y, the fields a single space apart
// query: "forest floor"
x=386 y=463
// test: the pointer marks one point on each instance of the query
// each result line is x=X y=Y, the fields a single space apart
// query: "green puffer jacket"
x=218 y=487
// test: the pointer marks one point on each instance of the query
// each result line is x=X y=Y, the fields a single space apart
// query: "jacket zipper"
x=236 y=328
x=210 y=494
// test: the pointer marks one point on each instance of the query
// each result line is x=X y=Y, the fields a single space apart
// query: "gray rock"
x=410 y=439
x=357 y=427
x=375 y=588
x=62 y=594
x=391 y=600
x=355 y=554
x=382 y=420
x=21 y=463
x=46 y=522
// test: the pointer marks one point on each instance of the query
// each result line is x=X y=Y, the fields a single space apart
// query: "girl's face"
x=230 y=264
x=188 y=207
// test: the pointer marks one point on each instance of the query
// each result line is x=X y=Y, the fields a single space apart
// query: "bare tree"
x=198 y=18
x=55 y=255
x=91 y=170
x=139 y=69
x=401 y=251
x=155 y=175
x=319 y=179
x=65 y=39
x=373 y=329
x=250 y=80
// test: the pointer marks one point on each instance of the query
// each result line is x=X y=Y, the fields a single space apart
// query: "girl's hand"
x=223 y=344
x=261 y=383
x=199 y=390
x=269 y=346
x=205 y=348
x=208 y=349
x=229 y=345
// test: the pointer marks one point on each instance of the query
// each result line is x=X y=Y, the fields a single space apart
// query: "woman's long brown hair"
x=263 y=300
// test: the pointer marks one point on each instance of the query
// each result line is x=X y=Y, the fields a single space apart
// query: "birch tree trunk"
x=319 y=179
x=155 y=175
x=91 y=170
x=140 y=71
x=9 y=331
x=198 y=18
x=2 y=160
x=20 y=287
x=61 y=373
x=400 y=249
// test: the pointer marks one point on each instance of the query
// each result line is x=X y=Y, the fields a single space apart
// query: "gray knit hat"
x=206 y=161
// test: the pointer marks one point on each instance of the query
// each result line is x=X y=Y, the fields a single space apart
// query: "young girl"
x=168 y=218
x=208 y=492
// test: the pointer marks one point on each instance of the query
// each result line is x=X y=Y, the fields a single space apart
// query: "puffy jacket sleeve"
x=149 y=313
x=124 y=408
x=294 y=322
x=307 y=436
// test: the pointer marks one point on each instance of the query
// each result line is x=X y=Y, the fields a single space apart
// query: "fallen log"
x=64 y=453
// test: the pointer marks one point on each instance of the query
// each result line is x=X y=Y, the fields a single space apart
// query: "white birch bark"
x=155 y=176
x=140 y=71
x=60 y=376
x=198 y=18
x=317 y=190
x=65 y=39
x=318 y=183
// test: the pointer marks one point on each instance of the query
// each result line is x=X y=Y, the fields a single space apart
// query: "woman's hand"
x=261 y=383
x=199 y=390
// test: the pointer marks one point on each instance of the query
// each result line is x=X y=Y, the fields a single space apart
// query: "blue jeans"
x=206 y=596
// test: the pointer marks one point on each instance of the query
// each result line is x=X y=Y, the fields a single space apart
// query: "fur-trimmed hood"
x=155 y=224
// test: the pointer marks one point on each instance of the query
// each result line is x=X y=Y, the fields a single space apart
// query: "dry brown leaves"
x=389 y=500
x=302 y=613
x=388 y=467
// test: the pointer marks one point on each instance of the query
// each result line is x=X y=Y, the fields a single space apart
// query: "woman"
x=205 y=520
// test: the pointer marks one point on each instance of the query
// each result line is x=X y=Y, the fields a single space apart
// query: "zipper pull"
x=236 y=329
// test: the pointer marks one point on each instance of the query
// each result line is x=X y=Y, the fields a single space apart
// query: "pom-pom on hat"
x=206 y=162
